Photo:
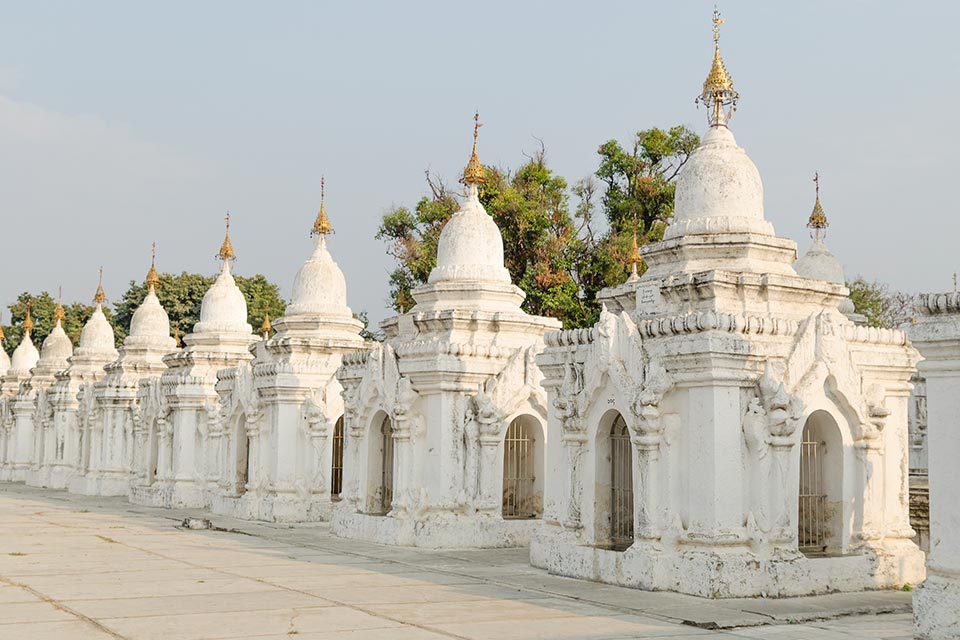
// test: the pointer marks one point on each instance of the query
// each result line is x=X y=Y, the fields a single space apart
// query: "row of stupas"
x=726 y=429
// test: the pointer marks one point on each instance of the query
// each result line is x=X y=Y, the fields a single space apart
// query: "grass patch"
x=16 y=554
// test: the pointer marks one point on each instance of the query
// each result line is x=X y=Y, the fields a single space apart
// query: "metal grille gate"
x=336 y=469
x=621 y=485
x=518 y=472
x=386 y=468
x=811 y=525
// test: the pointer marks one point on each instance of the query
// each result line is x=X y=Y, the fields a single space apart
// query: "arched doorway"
x=242 y=462
x=820 y=500
x=522 y=469
x=621 y=485
x=336 y=466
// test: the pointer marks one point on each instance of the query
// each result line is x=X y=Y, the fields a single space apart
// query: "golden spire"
x=226 y=249
x=176 y=335
x=28 y=321
x=818 y=219
x=266 y=327
x=58 y=314
x=153 y=280
x=718 y=93
x=474 y=173
x=635 y=257
x=2 y=336
x=99 y=297
x=321 y=226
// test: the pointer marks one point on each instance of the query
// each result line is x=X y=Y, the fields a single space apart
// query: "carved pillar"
x=646 y=438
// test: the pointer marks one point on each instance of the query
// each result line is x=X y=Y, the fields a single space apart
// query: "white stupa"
x=57 y=348
x=25 y=356
x=4 y=358
x=819 y=263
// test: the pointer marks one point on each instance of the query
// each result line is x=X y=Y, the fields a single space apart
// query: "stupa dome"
x=819 y=264
x=56 y=349
x=470 y=246
x=224 y=309
x=319 y=286
x=25 y=356
x=97 y=335
x=150 y=320
x=719 y=190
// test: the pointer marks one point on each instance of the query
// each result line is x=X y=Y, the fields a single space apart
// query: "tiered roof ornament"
x=718 y=94
x=474 y=174
x=635 y=258
x=226 y=252
x=153 y=279
x=321 y=226
x=818 y=219
x=100 y=297
x=58 y=314
x=28 y=321
x=266 y=327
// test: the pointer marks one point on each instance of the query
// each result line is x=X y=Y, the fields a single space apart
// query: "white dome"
x=319 y=286
x=4 y=361
x=820 y=264
x=719 y=190
x=470 y=246
x=25 y=356
x=150 y=320
x=224 y=309
x=97 y=335
x=56 y=348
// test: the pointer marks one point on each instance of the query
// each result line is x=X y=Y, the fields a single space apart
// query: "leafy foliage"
x=42 y=306
x=558 y=257
x=881 y=306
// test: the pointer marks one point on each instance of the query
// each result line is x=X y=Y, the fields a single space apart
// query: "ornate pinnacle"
x=100 y=297
x=321 y=226
x=718 y=93
x=153 y=280
x=266 y=327
x=226 y=249
x=474 y=173
x=28 y=321
x=635 y=257
x=58 y=314
x=818 y=219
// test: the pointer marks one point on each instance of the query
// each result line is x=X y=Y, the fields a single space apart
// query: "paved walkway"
x=80 y=568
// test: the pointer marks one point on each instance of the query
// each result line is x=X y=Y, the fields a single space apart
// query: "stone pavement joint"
x=93 y=568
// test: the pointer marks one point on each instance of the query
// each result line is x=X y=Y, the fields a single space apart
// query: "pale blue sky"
x=122 y=123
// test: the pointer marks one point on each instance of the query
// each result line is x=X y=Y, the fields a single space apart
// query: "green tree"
x=560 y=259
x=881 y=306
x=640 y=181
x=42 y=306
x=181 y=296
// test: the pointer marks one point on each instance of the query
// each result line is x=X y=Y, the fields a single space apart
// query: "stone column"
x=646 y=439
x=936 y=602
x=23 y=436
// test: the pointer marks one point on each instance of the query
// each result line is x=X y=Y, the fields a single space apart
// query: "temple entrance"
x=522 y=497
x=819 y=497
x=621 y=485
x=336 y=468
x=384 y=497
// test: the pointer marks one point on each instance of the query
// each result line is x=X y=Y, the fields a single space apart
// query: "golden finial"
x=176 y=335
x=266 y=327
x=818 y=219
x=58 y=314
x=474 y=173
x=635 y=257
x=718 y=93
x=2 y=336
x=99 y=297
x=153 y=280
x=28 y=321
x=321 y=226
x=226 y=249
